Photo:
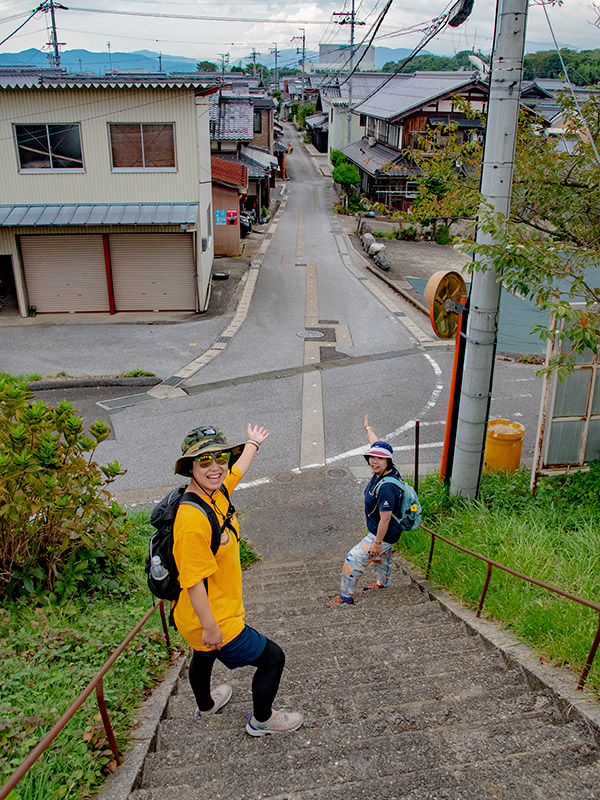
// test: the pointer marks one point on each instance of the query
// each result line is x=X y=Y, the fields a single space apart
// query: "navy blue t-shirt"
x=389 y=498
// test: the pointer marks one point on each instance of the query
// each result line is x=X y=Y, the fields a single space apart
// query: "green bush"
x=407 y=234
x=337 y=157
x=384 y=234
x=59 y=529
x=442 y=235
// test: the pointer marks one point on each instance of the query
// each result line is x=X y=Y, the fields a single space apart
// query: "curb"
x=83 y=383
x=580 y=705
x=127 y=776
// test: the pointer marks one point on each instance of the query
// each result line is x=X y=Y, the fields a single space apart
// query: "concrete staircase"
x=400 y=701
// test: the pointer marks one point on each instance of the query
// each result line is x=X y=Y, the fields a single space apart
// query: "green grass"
x=554 y=537
x=49 y=655
x=4 y=376
x=138 y=373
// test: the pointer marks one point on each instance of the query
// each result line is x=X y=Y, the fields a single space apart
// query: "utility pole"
x=224 y=60
x=254 y=54
x=303 y=37
x=349 y=18
x=109 y=58
x=276 y=70
x=54 y=57
x=484 y=302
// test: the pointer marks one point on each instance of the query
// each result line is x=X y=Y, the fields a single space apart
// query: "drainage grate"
x=336 y=473
x=172 y=381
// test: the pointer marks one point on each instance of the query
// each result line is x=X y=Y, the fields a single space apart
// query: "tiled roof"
x=262 y=157
x=22 y=78
x=228 y=172
x=99 y=214
x=398 y=98
x=319 y=121
x=231 y=118
x=378 y=159
x=255 y=170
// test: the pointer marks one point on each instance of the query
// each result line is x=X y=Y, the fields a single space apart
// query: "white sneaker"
x=221 y=695
x=279 y=722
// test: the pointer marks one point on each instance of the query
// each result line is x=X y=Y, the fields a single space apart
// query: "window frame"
x=45 y=170
x=142 y=168
x=257 y=126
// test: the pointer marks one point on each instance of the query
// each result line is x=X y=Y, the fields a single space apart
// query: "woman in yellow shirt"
x=210 y=611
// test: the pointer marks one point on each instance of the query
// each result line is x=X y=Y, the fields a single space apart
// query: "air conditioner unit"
x=371 y=141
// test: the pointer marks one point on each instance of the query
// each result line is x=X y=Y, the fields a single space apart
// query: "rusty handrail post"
x=47 y=740
x=112 y=742
x=430 y=555
x=485 y=588
x=163 y=618
x=590 y=658
x=417 y=444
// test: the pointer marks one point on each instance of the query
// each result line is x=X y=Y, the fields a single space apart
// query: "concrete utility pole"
x=303 y=37
x=53 y=43
x=276 y=70
x=224 y=60
x=484 y=302
x=349 y=18
x=254 y=54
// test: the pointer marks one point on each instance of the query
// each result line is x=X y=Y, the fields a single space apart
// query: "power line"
x=201 y=18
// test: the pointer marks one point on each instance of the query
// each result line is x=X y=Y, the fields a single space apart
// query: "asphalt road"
x=383 y=361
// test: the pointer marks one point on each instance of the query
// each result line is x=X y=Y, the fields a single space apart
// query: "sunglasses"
x=205 y=459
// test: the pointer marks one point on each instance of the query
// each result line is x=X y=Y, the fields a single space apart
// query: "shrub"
x=337 y=157
x=407 y=234
x=442 y=235
x=59 y=529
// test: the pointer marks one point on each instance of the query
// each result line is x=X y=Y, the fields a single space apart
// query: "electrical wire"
x=201 y=18
x=33 y=13
x=570 y=86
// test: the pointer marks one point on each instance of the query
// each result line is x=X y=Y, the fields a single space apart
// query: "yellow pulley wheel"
x=443 y=292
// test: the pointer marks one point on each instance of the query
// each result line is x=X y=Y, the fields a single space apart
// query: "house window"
x=142 y=146
x=49 y=147
x=370 y=126
x=257 y=122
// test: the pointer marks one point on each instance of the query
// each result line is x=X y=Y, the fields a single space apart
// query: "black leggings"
x=269 y=666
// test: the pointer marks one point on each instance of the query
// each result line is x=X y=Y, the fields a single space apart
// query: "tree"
x=549 y=249
x=206 y=66
x=347 y=176
x=237 y=69
x=301 y=112
x=260 y=70
x=448 y=189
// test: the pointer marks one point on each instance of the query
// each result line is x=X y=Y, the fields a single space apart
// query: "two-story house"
x=397 y=115
x=105 y=192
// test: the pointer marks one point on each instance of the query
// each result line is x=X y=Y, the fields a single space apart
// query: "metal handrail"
x=97 y=684
x=491 y=564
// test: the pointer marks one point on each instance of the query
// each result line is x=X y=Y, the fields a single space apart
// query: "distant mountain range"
x=149 y=61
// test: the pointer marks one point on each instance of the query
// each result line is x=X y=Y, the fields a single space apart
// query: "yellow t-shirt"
x=195 y=561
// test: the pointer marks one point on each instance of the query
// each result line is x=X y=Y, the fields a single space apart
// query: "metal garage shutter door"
x=65 y=273
x=153 y=271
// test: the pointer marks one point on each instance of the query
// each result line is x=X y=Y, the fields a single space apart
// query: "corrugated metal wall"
x=94 y=109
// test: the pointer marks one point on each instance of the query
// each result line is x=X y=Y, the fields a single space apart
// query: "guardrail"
x=491 y=564
x=97 y=684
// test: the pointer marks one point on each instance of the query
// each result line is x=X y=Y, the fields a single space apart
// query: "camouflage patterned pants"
x=357 y=560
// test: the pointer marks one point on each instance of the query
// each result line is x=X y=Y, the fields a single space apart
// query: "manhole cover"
x=283 y=477
x=310 y=334
x=336 y=473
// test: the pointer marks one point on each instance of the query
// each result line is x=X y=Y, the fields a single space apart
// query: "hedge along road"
x=375 y=355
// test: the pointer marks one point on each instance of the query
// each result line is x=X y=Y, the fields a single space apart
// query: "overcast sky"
x=259 y=25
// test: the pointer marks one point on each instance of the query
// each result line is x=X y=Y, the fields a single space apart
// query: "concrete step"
x=296 y=764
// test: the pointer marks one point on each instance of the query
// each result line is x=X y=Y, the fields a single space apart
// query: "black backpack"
x=166 y=586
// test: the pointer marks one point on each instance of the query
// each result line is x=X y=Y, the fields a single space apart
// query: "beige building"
x=105 y=192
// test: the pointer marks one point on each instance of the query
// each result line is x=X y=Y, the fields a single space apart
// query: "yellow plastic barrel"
x=503 y=445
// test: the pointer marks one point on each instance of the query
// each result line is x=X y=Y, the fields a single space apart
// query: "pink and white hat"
x=380 y=449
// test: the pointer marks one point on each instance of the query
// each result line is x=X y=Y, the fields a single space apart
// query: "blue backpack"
x=410 y=510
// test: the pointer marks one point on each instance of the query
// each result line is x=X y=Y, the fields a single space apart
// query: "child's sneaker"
x=279 y=722
x=221 y=695
x=340 y=600
x=370 y=586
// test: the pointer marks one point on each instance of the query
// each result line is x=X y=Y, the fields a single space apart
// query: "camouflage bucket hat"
x=205 y=439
